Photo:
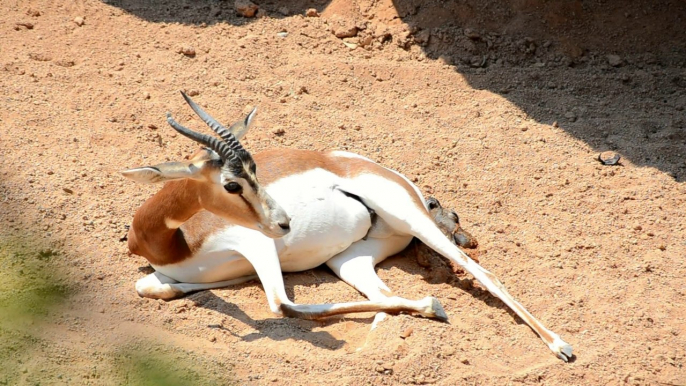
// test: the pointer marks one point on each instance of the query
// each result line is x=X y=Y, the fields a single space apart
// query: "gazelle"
x=221 y=221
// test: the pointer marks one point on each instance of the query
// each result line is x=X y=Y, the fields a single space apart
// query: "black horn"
x=218 y=128
x=220 y=147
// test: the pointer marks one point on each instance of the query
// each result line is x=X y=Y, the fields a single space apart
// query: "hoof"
x=434 y=310
x=561 y=349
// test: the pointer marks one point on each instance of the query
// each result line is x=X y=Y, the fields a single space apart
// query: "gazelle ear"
x=163 y=172
x=239 y=128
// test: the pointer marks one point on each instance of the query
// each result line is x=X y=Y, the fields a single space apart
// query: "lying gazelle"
x=220 y=222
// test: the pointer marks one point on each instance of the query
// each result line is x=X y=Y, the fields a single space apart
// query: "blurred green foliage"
x=38 y=303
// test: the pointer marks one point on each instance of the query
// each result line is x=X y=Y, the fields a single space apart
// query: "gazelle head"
x=226 y=174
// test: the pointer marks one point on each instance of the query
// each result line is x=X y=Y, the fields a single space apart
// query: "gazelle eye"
x=233 y=187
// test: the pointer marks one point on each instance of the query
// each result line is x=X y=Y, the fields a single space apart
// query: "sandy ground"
x=499 y=109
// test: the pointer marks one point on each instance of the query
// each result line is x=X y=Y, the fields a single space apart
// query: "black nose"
x=285 y=226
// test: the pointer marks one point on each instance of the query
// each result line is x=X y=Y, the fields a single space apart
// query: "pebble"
x=279 y=131
x=193 y=92
x=79 y=21
x=614 y=60
x=406 y=333
x=343 y=28
x=25 y=25
x=571 y=116
x=471 y=34
x=187 y=50
x=282 y=34
x=464 y=361
x=311 y=12
x=246 y=8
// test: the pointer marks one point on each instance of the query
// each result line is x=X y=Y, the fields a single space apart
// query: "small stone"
x=79 y=21
x=146 y=95
x=213 y=339
x=18 y=26
x=464 y=361
x=571 y=116
x=471 y=34
x=311 y=12
x=193 y=92
x=555 y=124
x=366 y=41
x=279 y=131
x=68 y=191
x=614 y=60
x=352 y=46
x=187 y=50
x=343 y=27
x=406 y=333
x=284 y=11
x=282 y=34
x=246 y=8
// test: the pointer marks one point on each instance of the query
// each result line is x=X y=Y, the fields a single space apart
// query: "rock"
x=366 y=40
x=39 y=57
x=22 y=25
x=311 y=12
x=406 y=333
x=187 y=50
x=422 y=37
x=284 y=11
x=471 y=34
x=79 y=21
x=352 y=46
x=193 y=92
x=571 y=116
x=464 y=361
x=245 y=8
x=279 y=131
x=343 y=27
x=65 y=63
x=282 y=34
x=614 y=60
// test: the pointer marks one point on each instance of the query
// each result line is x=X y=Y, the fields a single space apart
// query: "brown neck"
x=154 y=233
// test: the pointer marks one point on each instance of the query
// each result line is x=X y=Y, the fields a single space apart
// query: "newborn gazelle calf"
x=221 y=220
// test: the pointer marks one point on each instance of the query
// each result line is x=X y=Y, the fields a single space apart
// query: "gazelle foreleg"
x=261 y=253
x=159 y=286
x=356 y=264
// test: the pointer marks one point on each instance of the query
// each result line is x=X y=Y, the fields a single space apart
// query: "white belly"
x=324 y=221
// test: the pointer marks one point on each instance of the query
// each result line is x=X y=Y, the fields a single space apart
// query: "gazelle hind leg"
x=356 y=264
x=398 y=206
x=159 y=286
x=424 y=229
